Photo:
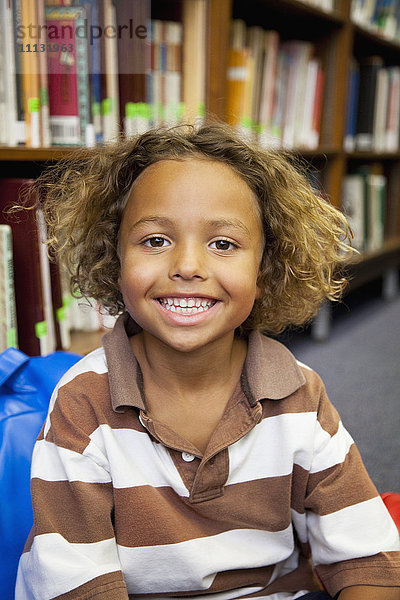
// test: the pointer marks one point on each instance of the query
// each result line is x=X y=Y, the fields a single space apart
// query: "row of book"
x=364 y=204
x=327 y=5
x=380 y=16
x=80 y=73
x=274 y=87
x=37 y=311
x=373 y=106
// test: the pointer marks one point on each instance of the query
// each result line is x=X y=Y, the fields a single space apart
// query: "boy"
x=191 y=456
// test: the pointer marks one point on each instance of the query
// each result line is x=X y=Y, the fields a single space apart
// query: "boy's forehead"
x=196 y=177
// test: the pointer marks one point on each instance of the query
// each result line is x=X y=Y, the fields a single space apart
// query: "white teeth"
x=186 y=306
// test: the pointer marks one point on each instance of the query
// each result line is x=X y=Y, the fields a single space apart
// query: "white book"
x=380 y=111
x=111 y=115
x=376 y=199
x=8 y=317
x=307 y=139
x=271 y=45
x=353 y=206
x=298 y=56
x=47 y=342
x=393 y=111
x=8 y=119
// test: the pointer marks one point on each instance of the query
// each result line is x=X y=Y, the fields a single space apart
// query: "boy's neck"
x=183 y=373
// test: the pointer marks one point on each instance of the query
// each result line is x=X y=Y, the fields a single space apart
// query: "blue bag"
x=26 y=385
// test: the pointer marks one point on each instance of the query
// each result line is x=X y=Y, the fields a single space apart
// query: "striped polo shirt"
x=126 y=508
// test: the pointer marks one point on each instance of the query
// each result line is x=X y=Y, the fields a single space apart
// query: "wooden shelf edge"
x=390 y=247
x=12 y=153
x=22 y=153
x=333 y=16
x=371 y=155
x=375 y=36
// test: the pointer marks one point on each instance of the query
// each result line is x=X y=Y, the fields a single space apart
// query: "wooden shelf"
x=21 y=153
x=374 y=36
x=360 y=155
x=367 y=266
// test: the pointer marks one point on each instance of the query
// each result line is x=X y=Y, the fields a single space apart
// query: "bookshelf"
x=336 y=37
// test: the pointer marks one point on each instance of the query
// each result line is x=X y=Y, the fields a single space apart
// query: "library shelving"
x=337 y=39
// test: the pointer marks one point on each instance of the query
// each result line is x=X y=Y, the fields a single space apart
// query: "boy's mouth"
x=186 y=306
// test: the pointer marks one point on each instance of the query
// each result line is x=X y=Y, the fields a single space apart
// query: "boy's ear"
x=258 y=292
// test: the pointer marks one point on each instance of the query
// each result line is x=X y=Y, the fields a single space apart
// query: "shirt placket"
x=205 y=476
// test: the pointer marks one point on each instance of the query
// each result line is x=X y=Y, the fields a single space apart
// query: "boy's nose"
x=188 y=262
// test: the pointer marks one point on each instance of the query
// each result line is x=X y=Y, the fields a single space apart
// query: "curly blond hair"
x=83 y=198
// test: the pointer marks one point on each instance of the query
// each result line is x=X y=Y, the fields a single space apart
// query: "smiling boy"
x=192 y=455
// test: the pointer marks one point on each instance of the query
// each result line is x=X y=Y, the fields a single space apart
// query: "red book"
x=27 y=276
x=68 y=80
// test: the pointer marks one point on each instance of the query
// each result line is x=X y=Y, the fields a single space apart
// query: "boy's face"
x=190 y=249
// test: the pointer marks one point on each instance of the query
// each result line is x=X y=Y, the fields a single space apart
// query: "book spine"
x=10 y=310
x=366 y=104
x=62 y=76
x=352 y=102
x=353 y=206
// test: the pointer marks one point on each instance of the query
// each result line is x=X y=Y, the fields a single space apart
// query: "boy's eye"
x=155 y=242
x=223 y=245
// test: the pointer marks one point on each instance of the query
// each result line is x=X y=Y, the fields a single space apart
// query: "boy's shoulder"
x=84 y=383
x=273 y=371
x=89 y=366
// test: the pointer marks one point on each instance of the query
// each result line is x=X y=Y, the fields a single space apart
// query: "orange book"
x=194 y=20
x=239 y=61
x=30 y=72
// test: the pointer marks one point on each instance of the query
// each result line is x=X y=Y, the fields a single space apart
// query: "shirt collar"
x=270 y=370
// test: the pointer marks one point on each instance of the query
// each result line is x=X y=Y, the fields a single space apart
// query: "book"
x=310 y=116
x=194 y=21
x=67 y=75
x=376 y=203
x=45 y=132
x=8 y=320
x=393 y=110
x=317 y=106
x=110 y=101
x=19 y=129
x=256 y=44
x=30 y=73
x=240 y=79
x=354 y=206
x=298 y=57
x=366 y=104
x=133 y=59
x=380 y=111
x=349 y=142
x=31 y=322
x=271 y=45
x=173 y=99
x=60 y=309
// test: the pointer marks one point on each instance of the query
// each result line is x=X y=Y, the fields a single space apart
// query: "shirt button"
x=188 y=457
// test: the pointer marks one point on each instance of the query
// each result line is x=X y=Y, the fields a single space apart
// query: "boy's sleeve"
x=71 y=552
x=353 y=538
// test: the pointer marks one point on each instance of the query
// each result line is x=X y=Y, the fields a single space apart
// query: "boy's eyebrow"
x=213 y=223
x=149 y=220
